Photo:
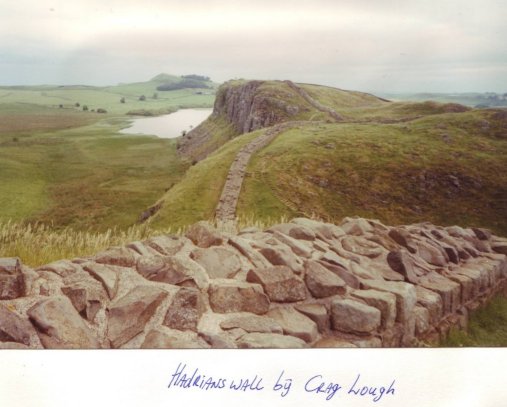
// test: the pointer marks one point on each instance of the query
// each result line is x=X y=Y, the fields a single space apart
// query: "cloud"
x=350 y=44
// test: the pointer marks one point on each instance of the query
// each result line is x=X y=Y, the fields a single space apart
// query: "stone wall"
x=299 y=284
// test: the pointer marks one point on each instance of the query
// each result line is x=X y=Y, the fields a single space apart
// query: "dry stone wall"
x=300 y=284
x=226 y=207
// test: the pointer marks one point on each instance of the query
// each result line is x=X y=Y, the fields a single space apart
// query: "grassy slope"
x=89 y=177
x=72 y=168
x=487 y=327
x=398 y=173
x=108 y=97
x=196 y=196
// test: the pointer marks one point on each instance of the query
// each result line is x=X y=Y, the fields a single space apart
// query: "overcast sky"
x=372 y=45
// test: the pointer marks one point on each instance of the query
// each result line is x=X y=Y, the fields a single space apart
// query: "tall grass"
x=36 y=243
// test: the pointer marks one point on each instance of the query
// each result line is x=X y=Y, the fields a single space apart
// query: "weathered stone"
x=236 y=296
x=333 y=258
x=370 y=342
x=185 y=310
x=482 y=234
x=13 y=345
x=432 y=302
x=129 y=315
x=295 y=324
x=356 y=226
x=422 y=320
x=370 y=273
x=405 y=296
x=10 y=265
x=299 y=248
x=173 y=339
x=385 y=302
x=59 y=326
x=350 y=279
x=295 y=231
x=14 y=328
x=281 y=255
x=257 y=340
x=352 y=316
x=500 y=248
x=142 y=249
x=11 y=285
x=64 y=268
x=176 y=270
x=325 y=231
x=431 y=254
x=166 y=245
x=466 y=285
x=12 y=281
x=403 y=238
x=106 y=275
x=87 y=297
x=279 y=283
x=119 y=256
x=217 y=261
x=321 y=282
x=209 y=329
x=317 y=313
x=360 y=246
x=400 y=262
x=447 y=289
x=244 y=247
x=331 y=342
x=252 y=323
x=202 y=234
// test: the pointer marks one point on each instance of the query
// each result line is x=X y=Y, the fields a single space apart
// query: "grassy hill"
x=399 y=162
x=109 y=97
x=68 y=167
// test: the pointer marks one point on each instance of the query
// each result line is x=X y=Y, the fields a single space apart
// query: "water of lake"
x=169 y=125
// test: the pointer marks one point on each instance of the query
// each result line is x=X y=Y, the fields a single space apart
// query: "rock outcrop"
x=241 y=107
x=304 y=283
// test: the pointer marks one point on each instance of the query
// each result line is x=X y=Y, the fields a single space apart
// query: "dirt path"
x=226 y=208
x=317 y=105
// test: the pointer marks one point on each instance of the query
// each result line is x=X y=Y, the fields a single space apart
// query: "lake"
x=169 y=125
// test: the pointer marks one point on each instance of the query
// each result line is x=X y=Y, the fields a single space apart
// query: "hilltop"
x=345 y=153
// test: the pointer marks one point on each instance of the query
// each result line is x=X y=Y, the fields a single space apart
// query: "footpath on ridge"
x=226 y=208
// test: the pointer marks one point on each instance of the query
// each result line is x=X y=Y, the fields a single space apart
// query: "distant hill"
x=478 y=100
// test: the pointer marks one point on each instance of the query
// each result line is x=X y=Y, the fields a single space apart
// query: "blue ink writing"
x=245 y=384
x=375 y=392
x=284 y=387
x=316 y=385
x=181 y=379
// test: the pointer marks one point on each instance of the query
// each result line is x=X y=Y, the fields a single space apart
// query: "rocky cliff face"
x=299 y=284
x=246 y=106
x=249 y=109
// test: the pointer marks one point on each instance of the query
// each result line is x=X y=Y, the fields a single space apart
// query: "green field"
x=67 y=167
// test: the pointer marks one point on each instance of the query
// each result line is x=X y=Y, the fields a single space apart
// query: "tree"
x=142 y=98
x=122 y=100
x=77 y=104
x=155 y=95
x=85 y=108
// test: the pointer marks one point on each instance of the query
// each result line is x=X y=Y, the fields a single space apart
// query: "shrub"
x=142 y=98
x=85 y=108
x=122 y=100
x=100 y=110
x=77 y=104
x=185 y=83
